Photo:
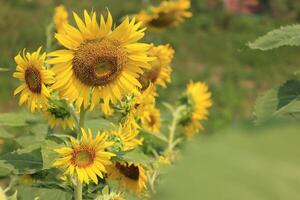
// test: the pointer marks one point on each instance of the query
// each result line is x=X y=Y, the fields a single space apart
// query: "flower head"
x=87 y=158
x=151 y=120
x=197 y=101
x=35 y=77
x=167 y=14
x=98 y=64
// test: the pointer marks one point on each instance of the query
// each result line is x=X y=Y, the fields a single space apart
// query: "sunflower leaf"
x=136 y=156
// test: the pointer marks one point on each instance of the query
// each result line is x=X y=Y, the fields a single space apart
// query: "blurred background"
x=210 y=47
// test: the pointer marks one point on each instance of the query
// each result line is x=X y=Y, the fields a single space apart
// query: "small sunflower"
x=125 y=138
x=35 y=77
x=99 y=64
x=160 y=72
x=167 y=14
x=60 y=18
x=110 y=195
x=151 y=120
x=87 y=158
x=58 y=114
x=197 y=101
x=131 y=176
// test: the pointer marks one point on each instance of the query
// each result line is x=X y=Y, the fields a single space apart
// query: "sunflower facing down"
x=99 y=64
x=160 y=71
x=151 y=120
x=59 y=115
x=88 y=158
x=167 y=14
x=35 y=77
x=130 y=176
x=60 y=18
x=197 y=101
x=125 y=138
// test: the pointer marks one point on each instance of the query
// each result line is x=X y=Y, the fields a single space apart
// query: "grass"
x=209 y=47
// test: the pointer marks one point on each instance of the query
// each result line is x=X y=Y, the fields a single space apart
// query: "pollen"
x=33 y=80
x=99 y=62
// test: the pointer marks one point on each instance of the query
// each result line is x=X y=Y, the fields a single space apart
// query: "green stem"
x=82 y=117
x=78 y=190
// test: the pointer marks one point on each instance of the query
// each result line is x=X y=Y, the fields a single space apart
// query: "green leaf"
x=24 y=161
x=280 y=102
x=99 y=124
x=2 y=69
x=16 y=119
x=29 y=193
x=136 y=156
x=285 y=36
x=4 y=133
x=37 y=134
x=48 y=153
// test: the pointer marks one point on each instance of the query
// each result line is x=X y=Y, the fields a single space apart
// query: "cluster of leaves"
x=281 y=102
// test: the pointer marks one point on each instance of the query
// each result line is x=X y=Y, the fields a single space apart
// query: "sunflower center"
x=130 y=171
x=163 y=20
x=83 y=157
x=98 y=62
x=33 y=80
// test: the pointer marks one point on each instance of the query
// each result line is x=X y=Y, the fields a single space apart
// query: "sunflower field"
x=149 y=99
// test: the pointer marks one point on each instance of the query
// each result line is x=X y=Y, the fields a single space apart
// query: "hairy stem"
x=78 y=190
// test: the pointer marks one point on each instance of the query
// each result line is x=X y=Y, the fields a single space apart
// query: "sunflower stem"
x=82 y=117
x=78 y=190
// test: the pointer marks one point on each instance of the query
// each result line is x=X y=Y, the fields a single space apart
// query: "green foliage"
x=28 y=193
x=245 y=163
x=17 y=119
x=280 y=102
x=285 y=36
x=99 y=124
x=136 y=156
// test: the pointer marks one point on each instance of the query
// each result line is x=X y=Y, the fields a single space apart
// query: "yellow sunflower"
x=130 y=176
x=99 y=64
x=197 y=101
x=59 y=115
x=87 y=158
x=110 y=195
x=151 y=120
x=160 y=72
x=167 y=14
x=60 y=18
x=125 y=138
x=35 y=77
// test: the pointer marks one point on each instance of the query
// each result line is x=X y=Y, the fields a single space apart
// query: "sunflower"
x=125 y=138
x=60 y=18
x=160 y=71
x=131 y=176
x=99 y=64
x=87 y=158
x=58 y=114
x=110 y=195
x=167 y=14
x=197 y=101
x=151 y=120
x=35 y=77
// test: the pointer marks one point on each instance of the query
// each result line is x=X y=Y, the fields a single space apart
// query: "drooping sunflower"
x=125 y=138
x=160 y=72
x=130 y=176
x=60 y=18
x=167 y=14
x=99 y=64
x=87 y=158
x=35 y=77
x=197 y=101
x=151 y=120
x=58 y=115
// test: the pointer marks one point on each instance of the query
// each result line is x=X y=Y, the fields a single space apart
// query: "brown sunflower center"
x=98 y=62
x=130 y=171
x=163 y=20
x=33 y=80
x=151 y=75
x=83 y=157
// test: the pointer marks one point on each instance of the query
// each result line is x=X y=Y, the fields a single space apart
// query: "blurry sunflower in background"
x=35 y=77
x=124 y=138
x=110 y=195
x=130 y=176
x=197 y=101
x=160 y=72
x=167 y=14
x=151 y=120
x=87 y=158
x=58 y=114
x=60 y=18
x=100 y=60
